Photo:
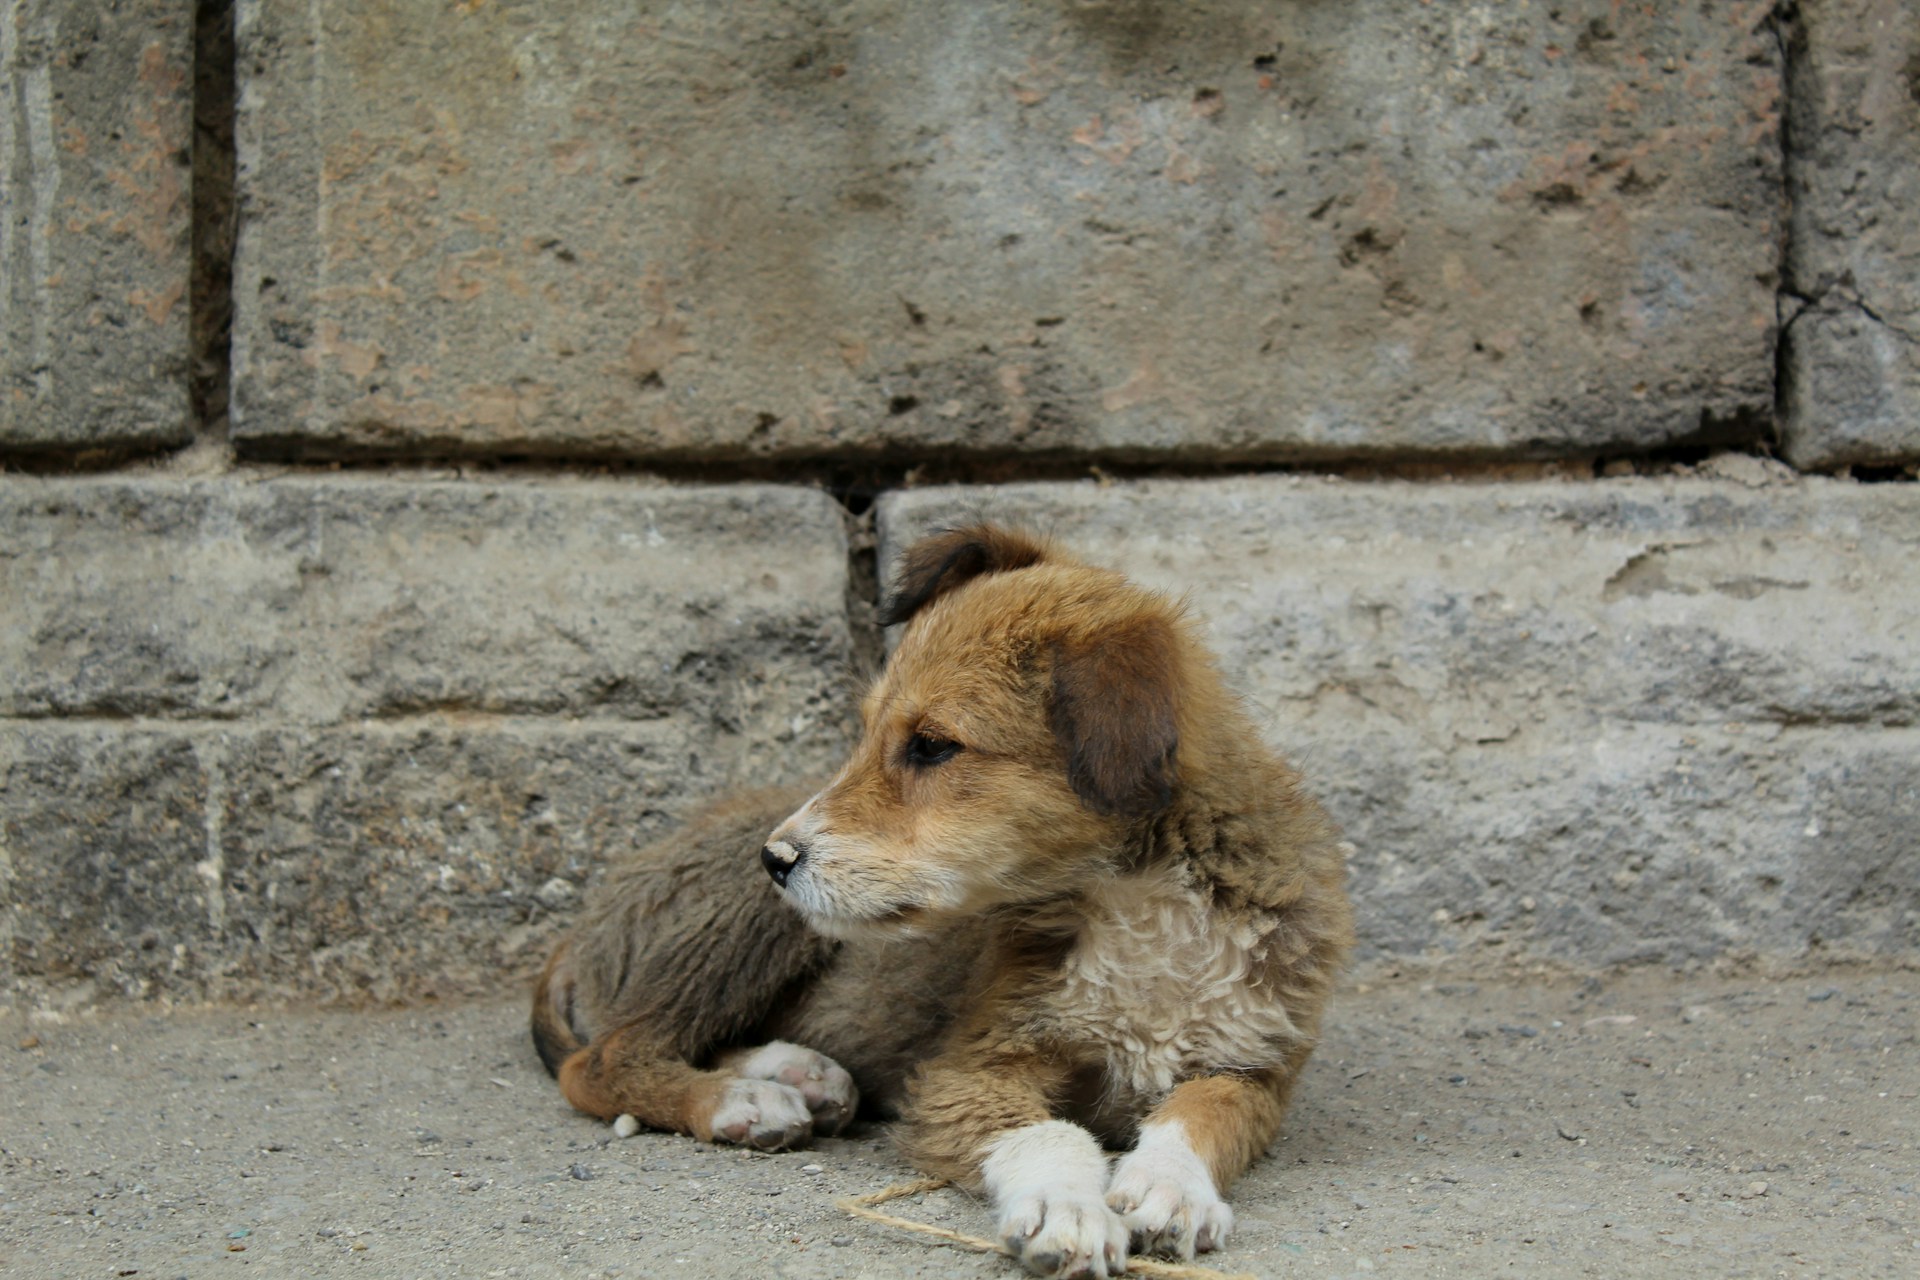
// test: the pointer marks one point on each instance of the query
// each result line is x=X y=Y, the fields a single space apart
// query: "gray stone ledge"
x=319 y=600
x=1674 y=715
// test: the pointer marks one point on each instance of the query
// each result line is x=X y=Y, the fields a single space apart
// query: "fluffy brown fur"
x=1060 y=896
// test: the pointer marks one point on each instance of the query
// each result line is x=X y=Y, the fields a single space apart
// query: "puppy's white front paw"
x=1165 y=1196
x=1046 y=1180
x=1065 y=1233
x=824 y=1083
x=763 y=1114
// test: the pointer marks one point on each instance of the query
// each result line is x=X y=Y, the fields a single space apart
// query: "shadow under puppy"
x=1061 y=896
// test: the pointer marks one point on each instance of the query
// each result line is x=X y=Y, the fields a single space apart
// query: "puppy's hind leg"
x=825 y=1085
x=773 y=1097
x=627 y=1071
x=683 y=954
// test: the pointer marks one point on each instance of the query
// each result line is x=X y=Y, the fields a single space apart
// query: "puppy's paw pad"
x=1065 y=1235
x=824 y=1083
x=1169 y=1206
x=763 y=1114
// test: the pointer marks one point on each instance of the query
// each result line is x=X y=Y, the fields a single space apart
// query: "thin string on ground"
x=862 y=1207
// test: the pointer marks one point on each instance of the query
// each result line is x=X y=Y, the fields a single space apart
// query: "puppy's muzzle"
x=780 y=858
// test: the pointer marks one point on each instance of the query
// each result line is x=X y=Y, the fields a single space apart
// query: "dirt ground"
x=1643 y=1124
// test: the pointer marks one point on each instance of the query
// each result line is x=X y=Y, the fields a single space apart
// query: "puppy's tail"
x=554 y=1037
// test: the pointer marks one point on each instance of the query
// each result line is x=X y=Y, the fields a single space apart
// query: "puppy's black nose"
x=780 y=858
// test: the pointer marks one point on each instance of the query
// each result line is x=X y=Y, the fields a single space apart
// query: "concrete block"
x=1625 y=720
x=101 y=832
x=368 y=738
x=1852 y=376
x=319 y=600
x=95 y=133
x=382 y=861
x=1221 y=230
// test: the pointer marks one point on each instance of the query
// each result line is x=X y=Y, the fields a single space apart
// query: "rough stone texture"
x=100 y=832
x=94 y=135
x=354 y=738
x=1225 y=229
x=1599 y=722
x=316 y=600
x=1853 y=348
x=386 y=861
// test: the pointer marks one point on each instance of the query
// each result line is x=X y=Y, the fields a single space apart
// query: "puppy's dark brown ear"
x=940 y=562
x=1115 y=700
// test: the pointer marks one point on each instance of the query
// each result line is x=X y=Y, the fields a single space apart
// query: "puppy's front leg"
x=1047 y=1182
x=987 y=1124
x=1191 y=1148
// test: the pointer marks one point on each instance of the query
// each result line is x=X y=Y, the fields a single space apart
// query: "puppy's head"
x=1029 y=718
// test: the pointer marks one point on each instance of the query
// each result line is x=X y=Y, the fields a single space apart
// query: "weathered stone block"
x=345 y=738
x=1853 y=343
x=95 y=132
x=390 y=860
x=396 y=860
x=102 y=832
x=1221 y=230
x=316 y=600
x=1594 y=722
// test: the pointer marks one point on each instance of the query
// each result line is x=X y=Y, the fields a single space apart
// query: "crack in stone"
x=1835 y=297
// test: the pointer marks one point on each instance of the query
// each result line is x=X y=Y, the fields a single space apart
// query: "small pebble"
x=811 y=1168
x=1754 y=1191
x=30 y=1042
x=581 y=1173
x=841 y=1242
x=625 y=1127
x=326 y=1233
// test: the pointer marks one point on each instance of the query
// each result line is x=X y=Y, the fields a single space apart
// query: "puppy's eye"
x=925 y=750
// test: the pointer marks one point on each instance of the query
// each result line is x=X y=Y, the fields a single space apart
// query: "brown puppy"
x=1067 y=896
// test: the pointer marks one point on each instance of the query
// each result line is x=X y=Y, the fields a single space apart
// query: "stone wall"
x=443 y=443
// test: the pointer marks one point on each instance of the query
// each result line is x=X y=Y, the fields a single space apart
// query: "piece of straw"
x=862 y=1207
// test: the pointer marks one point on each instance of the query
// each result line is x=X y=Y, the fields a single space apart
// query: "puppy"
x=1061 y=899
